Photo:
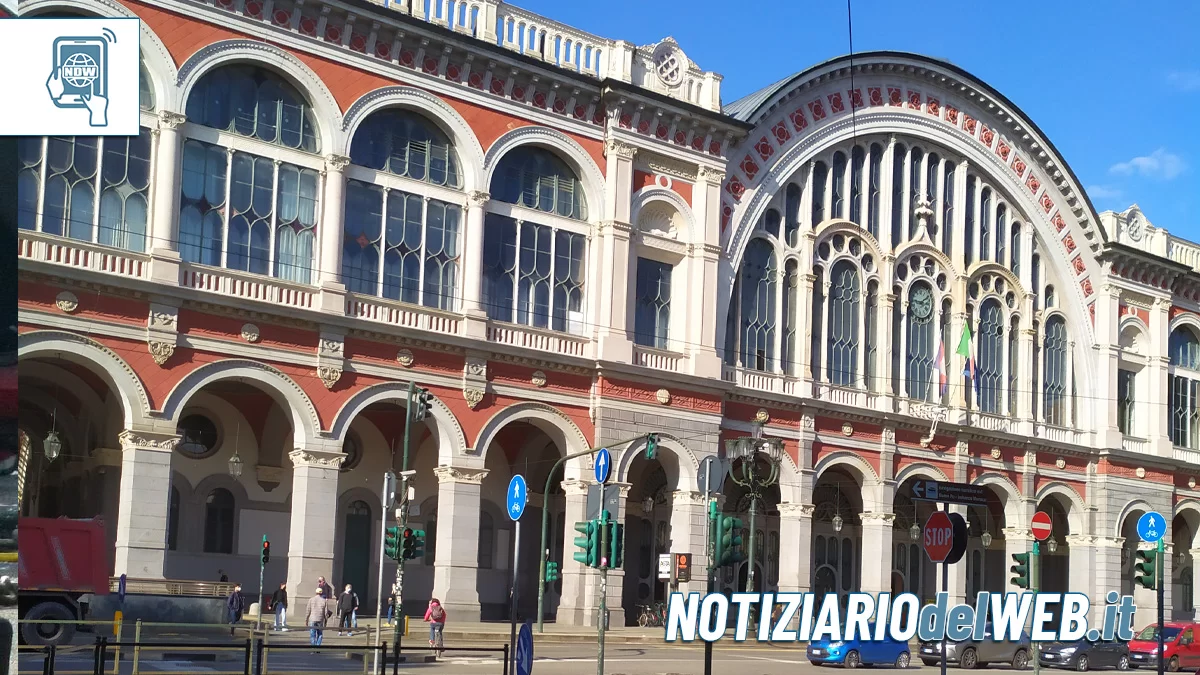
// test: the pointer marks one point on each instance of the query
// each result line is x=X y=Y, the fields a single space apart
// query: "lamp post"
x=744 y=453
x=52 y=446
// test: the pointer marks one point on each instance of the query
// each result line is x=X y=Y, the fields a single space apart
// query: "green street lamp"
x=747 y=471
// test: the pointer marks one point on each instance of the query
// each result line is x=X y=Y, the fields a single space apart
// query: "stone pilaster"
x=329 y=273
x=144 y=503
x=472 y=307
x=877 y=552
x=314 y=520
x=689 y=520
x=455 y=570
x=571 y=606
x=795 y=542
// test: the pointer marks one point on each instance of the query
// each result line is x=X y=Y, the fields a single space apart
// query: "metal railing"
x=216 y=589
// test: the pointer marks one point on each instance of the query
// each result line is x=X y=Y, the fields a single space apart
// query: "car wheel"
x=1173 y=664
x=1123 y=663
x=969 y=659
x=903 y=660
x=1020 y=659
x=852 y=659
x=931 y=662
x=1082 y=663
x=815 y=663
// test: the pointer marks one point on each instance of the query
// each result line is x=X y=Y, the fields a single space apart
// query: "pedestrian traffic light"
x=589 y=554
x=616 y=545
x=1144 y=570
x=422 y=401
x=418 y=550
x=714 y=527
x=408 y=544
x=731 y=541
x=551 y=571
x=651 y=445
x=391 y=543
x=1020 y=570
x=266 y=552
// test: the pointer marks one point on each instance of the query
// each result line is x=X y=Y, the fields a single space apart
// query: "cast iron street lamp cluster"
x=747 y=470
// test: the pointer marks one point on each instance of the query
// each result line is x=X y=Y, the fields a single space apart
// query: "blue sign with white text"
x=603 y=463
x=517 y=494
x=1152 y=526
x=525 y=650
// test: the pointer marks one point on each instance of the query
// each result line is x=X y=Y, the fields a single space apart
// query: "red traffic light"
x=266 y=544
x=408 y=532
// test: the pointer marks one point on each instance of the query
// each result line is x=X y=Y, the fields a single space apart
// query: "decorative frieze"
x=147 y=440
x=331 y=350
x=162 y=331
x=316 y=458
x=538 y=379
x=454 y=474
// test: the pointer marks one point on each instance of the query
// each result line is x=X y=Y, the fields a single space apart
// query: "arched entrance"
x=837 y=534
x=356 y=548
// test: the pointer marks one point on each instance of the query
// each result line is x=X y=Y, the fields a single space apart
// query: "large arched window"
x=991 y=356
x=757 y=308
x=249 y=203
x=874 y=180
x=920 y=319
x=838 y=192
x=948 y=207
x=898 y=153
x=792 y=215
x=404 y=143
x=857 y=161
x=1184 y=394
x=1055 y=373
x=844 y=294
x=218 y=521
x=533 y=273
x=791 y=318
x=819 y=175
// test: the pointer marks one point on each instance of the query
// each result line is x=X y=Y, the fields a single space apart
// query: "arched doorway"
x=356 y=549
x=837 y=535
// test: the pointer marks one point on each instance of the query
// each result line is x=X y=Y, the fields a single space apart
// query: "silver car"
x=971 y=653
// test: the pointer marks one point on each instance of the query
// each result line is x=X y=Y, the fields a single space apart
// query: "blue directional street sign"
x=517 y=494
x=602 y=465
x=1152 y=526
x=525 y=650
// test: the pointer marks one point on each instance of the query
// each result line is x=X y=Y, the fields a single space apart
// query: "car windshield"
x=1151 y=633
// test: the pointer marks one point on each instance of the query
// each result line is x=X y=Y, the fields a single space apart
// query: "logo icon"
x=79 y=78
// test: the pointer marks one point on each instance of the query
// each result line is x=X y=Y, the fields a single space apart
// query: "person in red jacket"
x=435 y=614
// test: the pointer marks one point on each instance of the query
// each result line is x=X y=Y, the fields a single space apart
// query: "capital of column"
x=168 y=119
x=1081 y=540
x=321 y=459
x=454 y=474
x=687 y=498
x=145 y=440
x=619 y=148
x=477 y=198
x=710 y=176
x=575 y=488
x=1017 y=533
x=622 y=489
x=336 y=163
x=1110 y=542
x=795 y=510
x=877 y=516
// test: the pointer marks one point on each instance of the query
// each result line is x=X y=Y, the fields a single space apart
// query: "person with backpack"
x=235 y=605
x=346 y=605
x=435 y=614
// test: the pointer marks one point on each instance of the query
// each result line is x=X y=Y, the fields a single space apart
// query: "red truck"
x=61 y=560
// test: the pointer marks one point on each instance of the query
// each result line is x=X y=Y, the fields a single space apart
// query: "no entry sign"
x=939 y=536
x=1042 y=526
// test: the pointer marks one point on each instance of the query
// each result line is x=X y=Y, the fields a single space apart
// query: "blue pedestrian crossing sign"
x=1152 y=527
x=525 y=650
x=602 y=466
x=517 y=495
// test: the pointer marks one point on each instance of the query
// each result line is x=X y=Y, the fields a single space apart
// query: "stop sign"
x=939 y=536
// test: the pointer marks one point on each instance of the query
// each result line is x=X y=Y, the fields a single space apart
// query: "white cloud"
x=1184 y=80
x=1158 y=164
x=1103 y=192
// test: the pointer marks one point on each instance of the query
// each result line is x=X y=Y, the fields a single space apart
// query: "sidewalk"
x=475 y=633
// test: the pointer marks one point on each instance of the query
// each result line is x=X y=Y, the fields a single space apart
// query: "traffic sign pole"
x=603 y=590
x=1035 y=580
x=945 y=586
x=1160 y=585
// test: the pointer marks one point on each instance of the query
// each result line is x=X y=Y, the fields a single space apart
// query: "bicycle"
x=436 y=645
x=653 y=616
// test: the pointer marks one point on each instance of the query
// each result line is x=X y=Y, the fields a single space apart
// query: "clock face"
x=922 y=302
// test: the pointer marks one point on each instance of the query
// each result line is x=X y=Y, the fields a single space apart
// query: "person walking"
x=326 y=589
x=435 y=614
x=279 y=604
x=391 y=609
x=346 y=604
x=235 y=605
x=316 y=613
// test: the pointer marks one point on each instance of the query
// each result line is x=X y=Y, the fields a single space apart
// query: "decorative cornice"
x=316 y=458
x=146 y=440
x=454 y=474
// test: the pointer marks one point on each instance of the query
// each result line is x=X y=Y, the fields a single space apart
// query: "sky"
x=1114 y=85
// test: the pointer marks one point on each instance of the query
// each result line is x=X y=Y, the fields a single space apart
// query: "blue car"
x=857 y=652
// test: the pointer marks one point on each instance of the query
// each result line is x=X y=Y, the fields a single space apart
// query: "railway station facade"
x=571 y=242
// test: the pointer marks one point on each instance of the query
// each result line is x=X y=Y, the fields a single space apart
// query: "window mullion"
x=383 y=241
x=553 y=280
x=39 y=217
x=421 y=251
x=272 y=270
x=228 y=207
x=96 y=200
x=516 y=277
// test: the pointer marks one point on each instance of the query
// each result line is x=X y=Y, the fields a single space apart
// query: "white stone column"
x=689 y=520
x=144 y=503
x=333 y=215
x=1157 y=363
x=795 y=542
x=575 y=576
x=314 y=520
x=876 y=565
x=618 y=266
x=701 y=347
x=456 y=564
x=472 y=266
x=163 y=245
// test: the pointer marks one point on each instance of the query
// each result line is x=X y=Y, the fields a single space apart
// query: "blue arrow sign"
x=603 y=464
x=1152 y=526
x=525 y=650
x=517 y=495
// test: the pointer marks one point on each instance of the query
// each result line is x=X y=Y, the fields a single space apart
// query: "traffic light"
x=651 y=445
x=266 y=553
x=1020 y=570
x=418 y=544
x=551 y=571
x=422 y=401
x=391 y=543
x=589 y=543
x=715 y=528
x=1144 y=570
x=731 y=541
x=408 y=544
x=616 y=545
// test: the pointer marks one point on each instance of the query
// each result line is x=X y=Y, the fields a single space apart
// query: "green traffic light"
x=1145 y=569
x=651 y=445
x=616 y=545
x=1020 y=570
x=391 y=543
x=587 y=528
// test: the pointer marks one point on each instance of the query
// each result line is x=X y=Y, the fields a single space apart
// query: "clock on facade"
x=922 y=302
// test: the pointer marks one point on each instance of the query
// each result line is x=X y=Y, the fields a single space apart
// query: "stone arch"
x=1013 y=500
x=564 y=146
x=433 y=108
x=859 y=468
x=564 y=432
x=1185 y=319
x=1076 y=503
x=686 y=462
x=452 y=442
x=306 y=425
x=159 y=63
x=327 y=114
x=655 y=193
x=86 y=352
x=1130 y=507
x=833 y=226
x=1131 y=333
x=922 y=470
x=981 y=267
x=911 y=248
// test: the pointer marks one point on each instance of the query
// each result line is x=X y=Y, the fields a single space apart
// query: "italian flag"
x=938 y=378
x=966 y=349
